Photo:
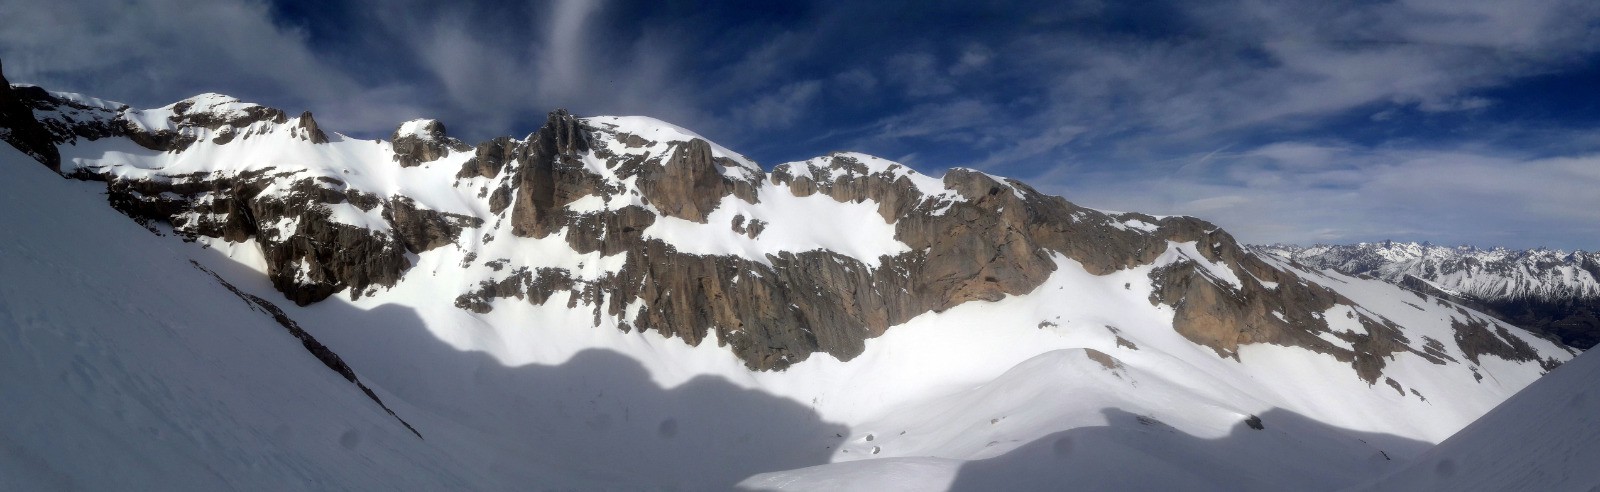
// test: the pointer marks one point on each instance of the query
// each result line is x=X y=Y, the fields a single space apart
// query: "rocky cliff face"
x=421 y=141
x=293 y=217
x=649 y=227
x=19 y=128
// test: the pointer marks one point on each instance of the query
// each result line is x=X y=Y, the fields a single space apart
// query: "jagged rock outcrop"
x=422 y=229
x=552 y=176
x=845 y=178
x=1476 y=338
x=490 y=157
x=310 y=255
x=19 y=128
x=421 y=141
x=308 y=130
x=689 y=185
x=227 y=117
x=1266 y=305
x=300 y=222
x=978 y=248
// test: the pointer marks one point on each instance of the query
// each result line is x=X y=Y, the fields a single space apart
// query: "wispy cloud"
x=781 y=108
x=1302 y=192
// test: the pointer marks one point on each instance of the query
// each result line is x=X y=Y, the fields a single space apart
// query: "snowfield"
x=1547 y=437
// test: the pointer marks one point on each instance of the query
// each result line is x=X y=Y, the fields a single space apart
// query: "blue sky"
x=1456 y=122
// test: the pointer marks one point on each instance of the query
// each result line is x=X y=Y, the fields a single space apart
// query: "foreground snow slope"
x=1546 y=437
x=125 y=367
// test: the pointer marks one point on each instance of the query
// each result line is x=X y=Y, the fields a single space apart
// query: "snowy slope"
x=128 y=368
x=1546 y=437
x=124 y=367
x=1082 y=375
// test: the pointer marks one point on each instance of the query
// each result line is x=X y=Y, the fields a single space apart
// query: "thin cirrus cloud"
x=1295 y=121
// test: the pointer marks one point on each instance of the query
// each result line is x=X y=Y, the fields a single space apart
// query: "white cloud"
x=140 y=51
x=1445 y=195
x=562 y=54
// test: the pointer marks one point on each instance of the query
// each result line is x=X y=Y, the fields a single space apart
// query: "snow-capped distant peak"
x=1489 y=274
x=208 y=102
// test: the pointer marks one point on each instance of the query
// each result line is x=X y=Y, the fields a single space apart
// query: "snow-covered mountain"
x=1487 y=274
x=617 y=302
x=1548 y=291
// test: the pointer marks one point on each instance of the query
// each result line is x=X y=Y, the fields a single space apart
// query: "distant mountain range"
x=1548 y=291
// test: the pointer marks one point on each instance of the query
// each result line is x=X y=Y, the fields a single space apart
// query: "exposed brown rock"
x=552 y=176
x=490 y=157
x=1475 y=338
x=977 y=249
x=312 y=257
x=164 y=140
x=609 y=232
x=689 y=185
x=421 y=229
x=433 y=144
x=228 y=126
x=895 y=194
x=308 y=129
x=1224 y=317
x=183 y=116
x=771 y=316
x=68 y=121
x=1105 y=360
